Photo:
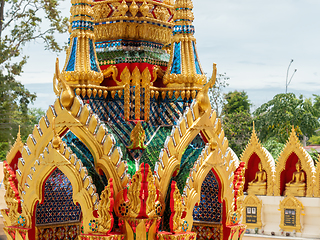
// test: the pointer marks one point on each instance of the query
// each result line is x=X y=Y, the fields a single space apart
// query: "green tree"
x=275 y=118
x=216 y=96
x=9 y=130
x=237 y=102
x=237 y=120
x=274 y=147
x=22 y=21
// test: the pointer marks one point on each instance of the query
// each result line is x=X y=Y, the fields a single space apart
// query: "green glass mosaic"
x=125 y=154
x=188 y=159
x=83 y=153
x=151 y=154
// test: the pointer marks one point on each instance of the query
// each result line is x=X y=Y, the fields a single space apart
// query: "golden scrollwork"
x=134 y=31
x=152 y=203
x=145 y=9
x=157 y=72
x=123 y=8
x=161 y=13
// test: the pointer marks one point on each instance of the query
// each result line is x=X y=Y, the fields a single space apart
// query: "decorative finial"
x=184 y=67
x=18 y=135
x=81 y=65
x=56 y=141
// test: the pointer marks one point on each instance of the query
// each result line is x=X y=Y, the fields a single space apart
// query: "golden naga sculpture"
x=111 y=70
x=259 y=185
x=297 y=186
x=203 y=97
x=62 y=88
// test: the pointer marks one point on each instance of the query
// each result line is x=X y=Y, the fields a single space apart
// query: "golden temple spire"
x=184 y=68
x=254 y=137
x=81 y=65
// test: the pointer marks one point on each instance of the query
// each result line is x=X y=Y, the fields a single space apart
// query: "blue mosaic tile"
x=196 y=62
x=72 y=59
x=93 y=61
x=176 y=62
x=58 y=206
x=209 y=209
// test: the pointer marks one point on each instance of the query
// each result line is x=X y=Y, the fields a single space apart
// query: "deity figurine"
x=259 y=184
x=297 y=186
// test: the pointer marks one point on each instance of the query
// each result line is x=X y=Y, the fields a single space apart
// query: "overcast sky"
x=252 y=41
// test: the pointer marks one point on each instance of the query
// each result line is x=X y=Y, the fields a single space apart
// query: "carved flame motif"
x=11 y=196
x=105 y=208
x=178 y=210
x=134 y=192
x=142 y=199
x=137 y=137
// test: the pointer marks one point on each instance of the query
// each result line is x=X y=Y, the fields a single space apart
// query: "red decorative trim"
x=13 y=181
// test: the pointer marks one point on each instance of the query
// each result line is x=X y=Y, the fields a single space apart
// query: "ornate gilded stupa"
x=130 y=149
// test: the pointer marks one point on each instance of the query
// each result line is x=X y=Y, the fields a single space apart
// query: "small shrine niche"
x=260 y=169
x=252 y=212
x=256 y=178
x=286 y=178
x=207 y=215
x=291 y=213
x=295 y=171
x=57 y=213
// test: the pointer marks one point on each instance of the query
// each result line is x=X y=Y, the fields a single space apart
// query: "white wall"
x=271 y=217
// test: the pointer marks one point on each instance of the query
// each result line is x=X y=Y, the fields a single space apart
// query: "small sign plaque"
x=289 y=217
x=251 y=216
